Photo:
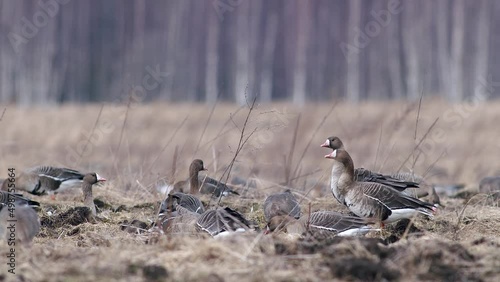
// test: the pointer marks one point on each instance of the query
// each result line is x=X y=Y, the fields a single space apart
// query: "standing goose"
x=88 y=180
x=43 y=180
x=281 y=204
x=202 y=184
x=369 y=199
x=18 y=208
x=222 y=221
x=327 y=223
x=364 y=175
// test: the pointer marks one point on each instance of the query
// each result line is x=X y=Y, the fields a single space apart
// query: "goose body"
x=187 y=201
x=18 y=208
x=88 y=181
x=27 y=223
x=43 y=180
x=17 y=199
x=198 y=183
x=325 y=223
x=281 y=204
x=364 y=175
x=222 y=220
x=369 y=199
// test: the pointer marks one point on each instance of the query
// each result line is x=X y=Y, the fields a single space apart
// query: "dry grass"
x=460 y=243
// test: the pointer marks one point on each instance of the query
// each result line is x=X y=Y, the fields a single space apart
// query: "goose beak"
x=100 y=178
x=330 y=156
x=267 y=231
x=204 y=168
x=326 y=144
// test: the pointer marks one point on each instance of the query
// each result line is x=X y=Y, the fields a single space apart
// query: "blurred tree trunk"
x=242 y=55
x=266 y=73
x=302 y=33
x=212 y=66
x=353 y=56
x=394 y=56
x=411 y=43
x=482 y=49
x=457 y=47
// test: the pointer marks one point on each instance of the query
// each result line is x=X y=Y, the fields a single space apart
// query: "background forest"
x=56 y=51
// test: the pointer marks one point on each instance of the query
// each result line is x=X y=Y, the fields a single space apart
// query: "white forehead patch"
x=328 y=142
x=334 y=153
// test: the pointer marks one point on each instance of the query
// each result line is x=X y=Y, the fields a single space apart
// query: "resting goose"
x=189 y=202
x=42 y=180
x=202 y=184
x=16 y=207
x=221 y=221
x=327 y=223
x=369 y=199
x=17 y=199
x=281 y=204
x=88 y=180
x=364 y=175
x=490 y=185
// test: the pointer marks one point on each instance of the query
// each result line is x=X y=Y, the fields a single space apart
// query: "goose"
x=178 y=220
x=198 y=183
x=26 y=224
x=43 y=180
x=370 y=199
x=431 y=193
x=327 y=223
x=16 y=199
x=221 y=221
x=187 y=201
x=88 y=180
x=364 y=175
x=491 y=186
x=281 y=204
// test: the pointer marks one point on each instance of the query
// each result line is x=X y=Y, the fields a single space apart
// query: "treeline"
x=55 y=51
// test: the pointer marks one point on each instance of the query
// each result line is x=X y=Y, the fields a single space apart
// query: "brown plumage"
x=42 y=180
x=369 y=199
x=27 y=224
x=88 y=180
x=323 y=223
x=18 y=208
x=364 y=175
x=197 y=183
x=281 y=204
x=220 y=220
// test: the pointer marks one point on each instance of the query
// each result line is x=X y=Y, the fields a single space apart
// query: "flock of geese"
x=373 y=199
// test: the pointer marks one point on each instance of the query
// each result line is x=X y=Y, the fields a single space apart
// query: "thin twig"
x=288 y=165
x=378 y=147
x=204 y=129
x=91 y=133
x=123 y=125
x=416 y=147
x=3 y=113
x=168 y=143
x=312 y=137
x=434 y=163
x=241 y=143
x=416 y=128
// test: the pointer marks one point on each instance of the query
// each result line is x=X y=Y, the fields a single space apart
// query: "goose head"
x=88 y=180
x=342 y=160
x=196 y=166
x=278 y=223
x=333 y=142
